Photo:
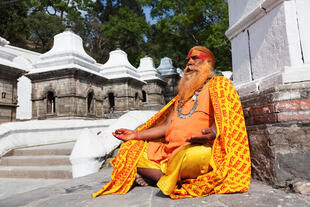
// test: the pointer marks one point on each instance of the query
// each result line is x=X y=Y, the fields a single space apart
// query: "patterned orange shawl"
x=230 y=162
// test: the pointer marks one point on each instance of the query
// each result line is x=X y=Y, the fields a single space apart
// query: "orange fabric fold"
x=230 y=157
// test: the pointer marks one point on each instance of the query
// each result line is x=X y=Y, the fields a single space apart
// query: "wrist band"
x=213 y=131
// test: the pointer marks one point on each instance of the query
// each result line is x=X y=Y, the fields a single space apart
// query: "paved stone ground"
x=13 y=186
x=77 y=193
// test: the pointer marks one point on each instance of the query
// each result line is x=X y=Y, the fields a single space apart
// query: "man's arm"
x=207 y=134
x=148 y=134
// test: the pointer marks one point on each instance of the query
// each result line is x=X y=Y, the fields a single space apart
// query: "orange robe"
x=230 y=157
x=179 y=129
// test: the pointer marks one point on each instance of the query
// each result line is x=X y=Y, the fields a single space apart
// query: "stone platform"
x=77 y=192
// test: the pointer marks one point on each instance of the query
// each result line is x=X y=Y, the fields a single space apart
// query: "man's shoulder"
x=220 y=80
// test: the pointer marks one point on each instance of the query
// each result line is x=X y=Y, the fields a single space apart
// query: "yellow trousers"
x=189 y=162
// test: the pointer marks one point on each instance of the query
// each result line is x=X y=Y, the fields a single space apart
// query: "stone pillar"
x=271 y=70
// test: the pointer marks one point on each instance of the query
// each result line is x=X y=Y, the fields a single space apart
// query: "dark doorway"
x=51 y=105
x=143 y=96
x=90 y=98
x=111 y=101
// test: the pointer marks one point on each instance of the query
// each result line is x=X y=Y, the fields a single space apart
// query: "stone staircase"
x=45 y=162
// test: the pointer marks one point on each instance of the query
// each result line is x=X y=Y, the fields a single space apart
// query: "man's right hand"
x=124 y=134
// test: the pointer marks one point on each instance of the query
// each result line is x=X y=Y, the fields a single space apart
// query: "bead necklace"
x=195 y=98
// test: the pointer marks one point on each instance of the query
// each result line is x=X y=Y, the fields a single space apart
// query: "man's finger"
x=206 y=131
x=206 y=137
x=199 y=139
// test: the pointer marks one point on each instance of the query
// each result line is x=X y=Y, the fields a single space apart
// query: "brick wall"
x=278 y=125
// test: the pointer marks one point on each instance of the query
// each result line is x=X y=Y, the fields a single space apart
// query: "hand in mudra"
x=124 y=134
x=208 y=134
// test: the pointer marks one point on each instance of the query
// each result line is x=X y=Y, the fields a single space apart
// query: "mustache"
x=190 y=68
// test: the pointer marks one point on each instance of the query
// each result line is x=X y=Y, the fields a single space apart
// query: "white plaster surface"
x=180 y=72
x=241 y=59
x=39 y=132
x=251 y=15
x=166 y=68
x=90 y=146
x=9 y=57
x=227 y=74
x=270 y=81
x=147 y=69
x=279 y=33
x=68 y=42
x=3 y=41
x=296 y=74
x=30 y=56
x=118 y=66
x=24 y=109
x=303 y=14
x=269 y=46
x=246 y=88
x=241 y=8
x=67 y=52
x=293 y=34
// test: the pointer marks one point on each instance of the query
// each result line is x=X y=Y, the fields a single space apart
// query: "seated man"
x=195 y=146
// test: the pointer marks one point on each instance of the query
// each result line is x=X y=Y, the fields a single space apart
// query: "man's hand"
x=208 y=134
x=124 y=134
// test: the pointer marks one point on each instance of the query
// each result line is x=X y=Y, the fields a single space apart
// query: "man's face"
x=194 y=59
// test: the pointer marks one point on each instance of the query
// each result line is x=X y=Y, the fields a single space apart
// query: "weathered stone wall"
x=155 y=92
x=8 y=94
x=170 y=91
x=127 y=95
x=71 y=90
x=6 y=86
x=278 y=125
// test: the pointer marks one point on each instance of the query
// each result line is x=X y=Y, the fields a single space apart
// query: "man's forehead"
x=193 y=52
x=197 y=53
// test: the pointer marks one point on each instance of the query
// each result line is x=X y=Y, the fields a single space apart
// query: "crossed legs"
x=148 y=176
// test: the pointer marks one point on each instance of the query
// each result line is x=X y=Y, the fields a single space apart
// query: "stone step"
x=35 y=160
x=50 y=172
x=54 y=149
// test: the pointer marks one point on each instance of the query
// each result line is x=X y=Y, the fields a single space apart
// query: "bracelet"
x=213 y=131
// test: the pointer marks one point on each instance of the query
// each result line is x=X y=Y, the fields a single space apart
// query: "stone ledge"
x=77 y=192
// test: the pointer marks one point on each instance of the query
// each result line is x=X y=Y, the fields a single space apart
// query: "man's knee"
x=195 y=160
x=194 y=152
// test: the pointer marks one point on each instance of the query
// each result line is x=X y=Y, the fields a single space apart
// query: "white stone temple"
x=118 y=66
x=270 y=42
x=147 y=69
x=70 y=91
x=122 y=90
x=271 y=70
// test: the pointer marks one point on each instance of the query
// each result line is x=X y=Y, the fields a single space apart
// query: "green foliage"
x=44 y=27
x=12 y=24
x=115 y=24
x=184 y=24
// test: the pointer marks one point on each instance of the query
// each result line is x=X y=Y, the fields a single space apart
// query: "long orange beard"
x=189 y=83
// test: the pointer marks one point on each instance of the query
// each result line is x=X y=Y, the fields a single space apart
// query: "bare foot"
x=140 y=181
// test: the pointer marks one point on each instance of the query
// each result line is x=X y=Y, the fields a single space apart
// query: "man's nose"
x=190 y=61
